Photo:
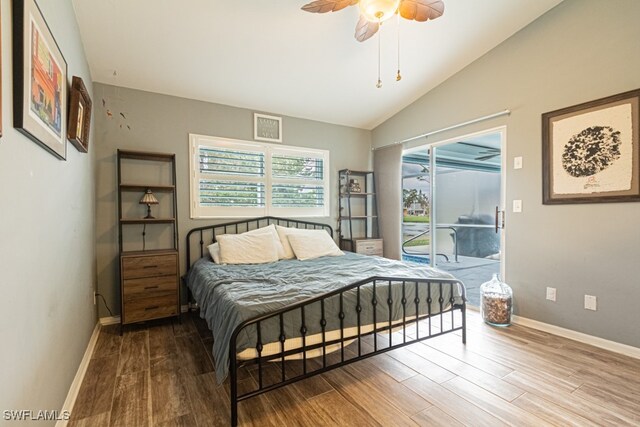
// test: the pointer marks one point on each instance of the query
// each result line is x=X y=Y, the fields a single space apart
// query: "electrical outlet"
x=517 y=206
x=551 y=294
x=590 y=302
x=517 y=162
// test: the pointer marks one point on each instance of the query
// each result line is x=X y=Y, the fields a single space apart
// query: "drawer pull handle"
x=152 y=287
x=150 y=266
x=153 y=307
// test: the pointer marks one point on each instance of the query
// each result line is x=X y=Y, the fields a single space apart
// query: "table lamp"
x=148 y=199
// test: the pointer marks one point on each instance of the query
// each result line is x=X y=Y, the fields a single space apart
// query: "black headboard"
x=199 y=238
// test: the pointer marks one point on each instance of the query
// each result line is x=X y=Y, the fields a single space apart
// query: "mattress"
x=230 y=294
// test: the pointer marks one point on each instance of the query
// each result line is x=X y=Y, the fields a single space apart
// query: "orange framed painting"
x=39 y=80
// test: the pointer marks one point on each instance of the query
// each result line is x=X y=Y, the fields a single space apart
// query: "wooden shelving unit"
x=358 y=216
x=149 y=279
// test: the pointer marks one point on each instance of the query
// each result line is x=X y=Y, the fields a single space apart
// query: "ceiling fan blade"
x=324 y=6
x=470 y=144
x=365 y=29
x=421 y=10
x=489 y=157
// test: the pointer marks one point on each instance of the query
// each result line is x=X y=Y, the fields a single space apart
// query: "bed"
x=291 y=319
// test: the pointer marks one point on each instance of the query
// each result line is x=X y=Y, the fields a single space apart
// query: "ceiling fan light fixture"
x=378 y=10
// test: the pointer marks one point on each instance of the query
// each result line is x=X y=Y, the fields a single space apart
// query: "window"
x=231 y=178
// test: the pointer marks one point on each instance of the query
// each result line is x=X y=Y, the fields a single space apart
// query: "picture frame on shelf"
x=39 y=80
x=267 y=128
x=79 y=115
x=591 y=151
x=354 y=186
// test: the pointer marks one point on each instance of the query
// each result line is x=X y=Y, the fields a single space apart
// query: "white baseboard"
x=616 y=347
x=114 y=320
x=77 y=380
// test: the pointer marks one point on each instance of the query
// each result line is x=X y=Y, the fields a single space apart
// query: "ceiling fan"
x=374 y=12
x=488 y=153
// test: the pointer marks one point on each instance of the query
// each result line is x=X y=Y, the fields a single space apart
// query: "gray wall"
x=163 y=123
x=46 y=244
x=578 y=51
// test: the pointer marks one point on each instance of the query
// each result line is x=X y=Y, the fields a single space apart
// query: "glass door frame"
x=433 y=150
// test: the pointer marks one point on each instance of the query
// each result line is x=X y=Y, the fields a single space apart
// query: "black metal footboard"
x=346 y=321
x=334 y=329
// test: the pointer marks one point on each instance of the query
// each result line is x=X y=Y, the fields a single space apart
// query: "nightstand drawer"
x=148 y=287
x=149 y=266
x=369 y=247
x=140 y=309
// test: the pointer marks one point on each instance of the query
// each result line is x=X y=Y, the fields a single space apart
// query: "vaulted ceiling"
x=270 y=56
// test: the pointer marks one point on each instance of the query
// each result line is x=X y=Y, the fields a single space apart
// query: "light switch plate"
x=590 y=302
x=551 y=294
x=517 y=206
x=517 y=162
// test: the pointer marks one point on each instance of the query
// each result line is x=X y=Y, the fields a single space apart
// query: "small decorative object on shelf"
x=354 y=186
x=496 y=302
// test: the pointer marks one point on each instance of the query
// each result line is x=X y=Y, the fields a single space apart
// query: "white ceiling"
x=270 y=56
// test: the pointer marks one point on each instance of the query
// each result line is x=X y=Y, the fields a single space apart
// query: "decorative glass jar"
x=496 y=302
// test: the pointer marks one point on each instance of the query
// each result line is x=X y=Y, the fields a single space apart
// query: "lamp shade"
x=378 y=10
x=148 y=198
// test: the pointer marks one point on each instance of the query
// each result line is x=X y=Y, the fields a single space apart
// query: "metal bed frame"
x=414 y=291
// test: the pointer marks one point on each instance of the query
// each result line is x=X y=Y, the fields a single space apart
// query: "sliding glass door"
x=456 y=185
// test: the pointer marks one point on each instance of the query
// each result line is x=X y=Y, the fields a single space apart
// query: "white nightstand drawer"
x=369 y=247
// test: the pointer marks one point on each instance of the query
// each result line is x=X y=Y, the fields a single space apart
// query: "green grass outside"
x=419 y=242
x=415 y=218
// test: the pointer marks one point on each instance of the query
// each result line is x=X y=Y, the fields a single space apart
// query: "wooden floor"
x=162 y=375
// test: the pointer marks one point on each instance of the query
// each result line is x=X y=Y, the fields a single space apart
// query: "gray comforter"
x=231 y=294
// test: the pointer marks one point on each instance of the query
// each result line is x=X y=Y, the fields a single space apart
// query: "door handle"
x=499 y=219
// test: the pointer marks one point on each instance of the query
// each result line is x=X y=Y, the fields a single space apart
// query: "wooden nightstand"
x=149 y=285
x=369 y=247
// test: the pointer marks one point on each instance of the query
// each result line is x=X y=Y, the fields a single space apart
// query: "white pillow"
x=271 y=229
x=313 y=244
x=283 y=233
x=214 y=251
x=247 y=248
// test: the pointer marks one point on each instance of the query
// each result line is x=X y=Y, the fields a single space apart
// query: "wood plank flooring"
x=162 y=374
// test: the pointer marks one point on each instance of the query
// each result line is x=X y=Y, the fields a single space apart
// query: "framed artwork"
x=39 y=80
x=79 y=115
x=591 y=151
x=267 y=128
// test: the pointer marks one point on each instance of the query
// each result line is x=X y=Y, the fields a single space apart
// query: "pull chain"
x=379 y=84
x=398 y=76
